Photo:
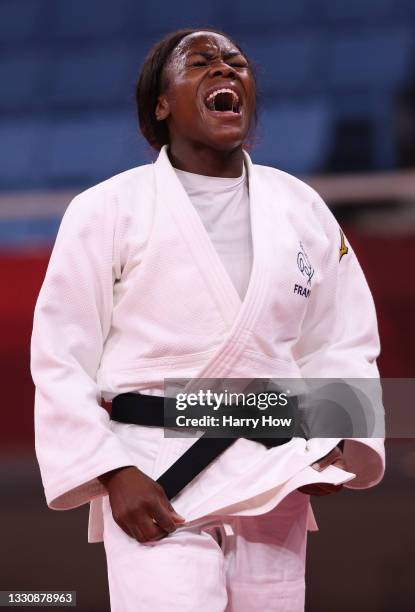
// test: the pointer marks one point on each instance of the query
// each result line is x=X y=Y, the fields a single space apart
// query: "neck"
x=206 y=161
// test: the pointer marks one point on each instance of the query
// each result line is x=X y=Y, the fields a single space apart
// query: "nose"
x=221 y=68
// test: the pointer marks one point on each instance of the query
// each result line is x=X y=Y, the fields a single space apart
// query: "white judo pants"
x=232 y=564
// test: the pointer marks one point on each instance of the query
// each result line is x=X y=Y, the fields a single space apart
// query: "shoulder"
x=300 y=199
x=120 y=184
x=120 y=192
x=291 y=184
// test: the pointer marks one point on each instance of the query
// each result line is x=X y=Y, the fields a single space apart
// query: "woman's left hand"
x=334 y=457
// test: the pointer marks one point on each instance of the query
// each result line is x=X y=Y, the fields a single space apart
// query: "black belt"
x=148 y=410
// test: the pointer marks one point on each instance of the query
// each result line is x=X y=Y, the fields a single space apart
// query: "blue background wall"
x=68 y=70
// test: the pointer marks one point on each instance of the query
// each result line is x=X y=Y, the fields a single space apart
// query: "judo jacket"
x=135 y=293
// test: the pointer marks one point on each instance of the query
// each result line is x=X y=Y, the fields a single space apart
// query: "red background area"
x=387 y=262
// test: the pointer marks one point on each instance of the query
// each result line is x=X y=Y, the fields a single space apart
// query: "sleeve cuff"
x=366 y=458
x=72 y=495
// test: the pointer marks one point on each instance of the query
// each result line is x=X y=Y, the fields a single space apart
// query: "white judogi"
x=135 y=292
x=244 y=564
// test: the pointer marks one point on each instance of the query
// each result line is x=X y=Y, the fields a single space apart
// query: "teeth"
x=210 y=100
x=224 y=90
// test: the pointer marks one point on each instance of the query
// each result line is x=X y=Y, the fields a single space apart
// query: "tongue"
x=223 y=102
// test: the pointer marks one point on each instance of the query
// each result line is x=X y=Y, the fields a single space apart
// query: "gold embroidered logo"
x=344 y=249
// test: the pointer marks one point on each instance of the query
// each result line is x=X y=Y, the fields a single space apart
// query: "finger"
x=137 y=534
x=127 y=529
x=177 y=517
x=312 y=490
x=330 y=458
x=327 y=460
x=329 y=488
x=163 y=517
x=151 y=531
x=320 y=489
x=340 y=463
x=315 y=493
x=146 y=532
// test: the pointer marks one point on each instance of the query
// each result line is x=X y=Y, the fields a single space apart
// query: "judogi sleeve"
x=74 y=443
x=339 y=339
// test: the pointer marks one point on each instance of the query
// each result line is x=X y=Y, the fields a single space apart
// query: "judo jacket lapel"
x=239 y=315
x=171 y=194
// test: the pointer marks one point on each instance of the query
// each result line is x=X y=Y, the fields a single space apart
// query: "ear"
x=162 y=109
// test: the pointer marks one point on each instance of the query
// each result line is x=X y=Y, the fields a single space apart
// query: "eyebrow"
x=209 y=54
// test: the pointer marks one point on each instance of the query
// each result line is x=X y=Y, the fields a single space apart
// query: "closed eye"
x=205 y=63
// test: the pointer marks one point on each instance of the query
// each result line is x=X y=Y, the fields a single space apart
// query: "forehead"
x=204 y=41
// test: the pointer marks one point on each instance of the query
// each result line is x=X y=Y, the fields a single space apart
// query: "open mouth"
x=223 y=100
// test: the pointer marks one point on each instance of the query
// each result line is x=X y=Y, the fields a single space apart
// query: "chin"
x=226 y=140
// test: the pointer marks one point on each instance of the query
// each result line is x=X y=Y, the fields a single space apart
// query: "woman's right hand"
x=139 y=504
